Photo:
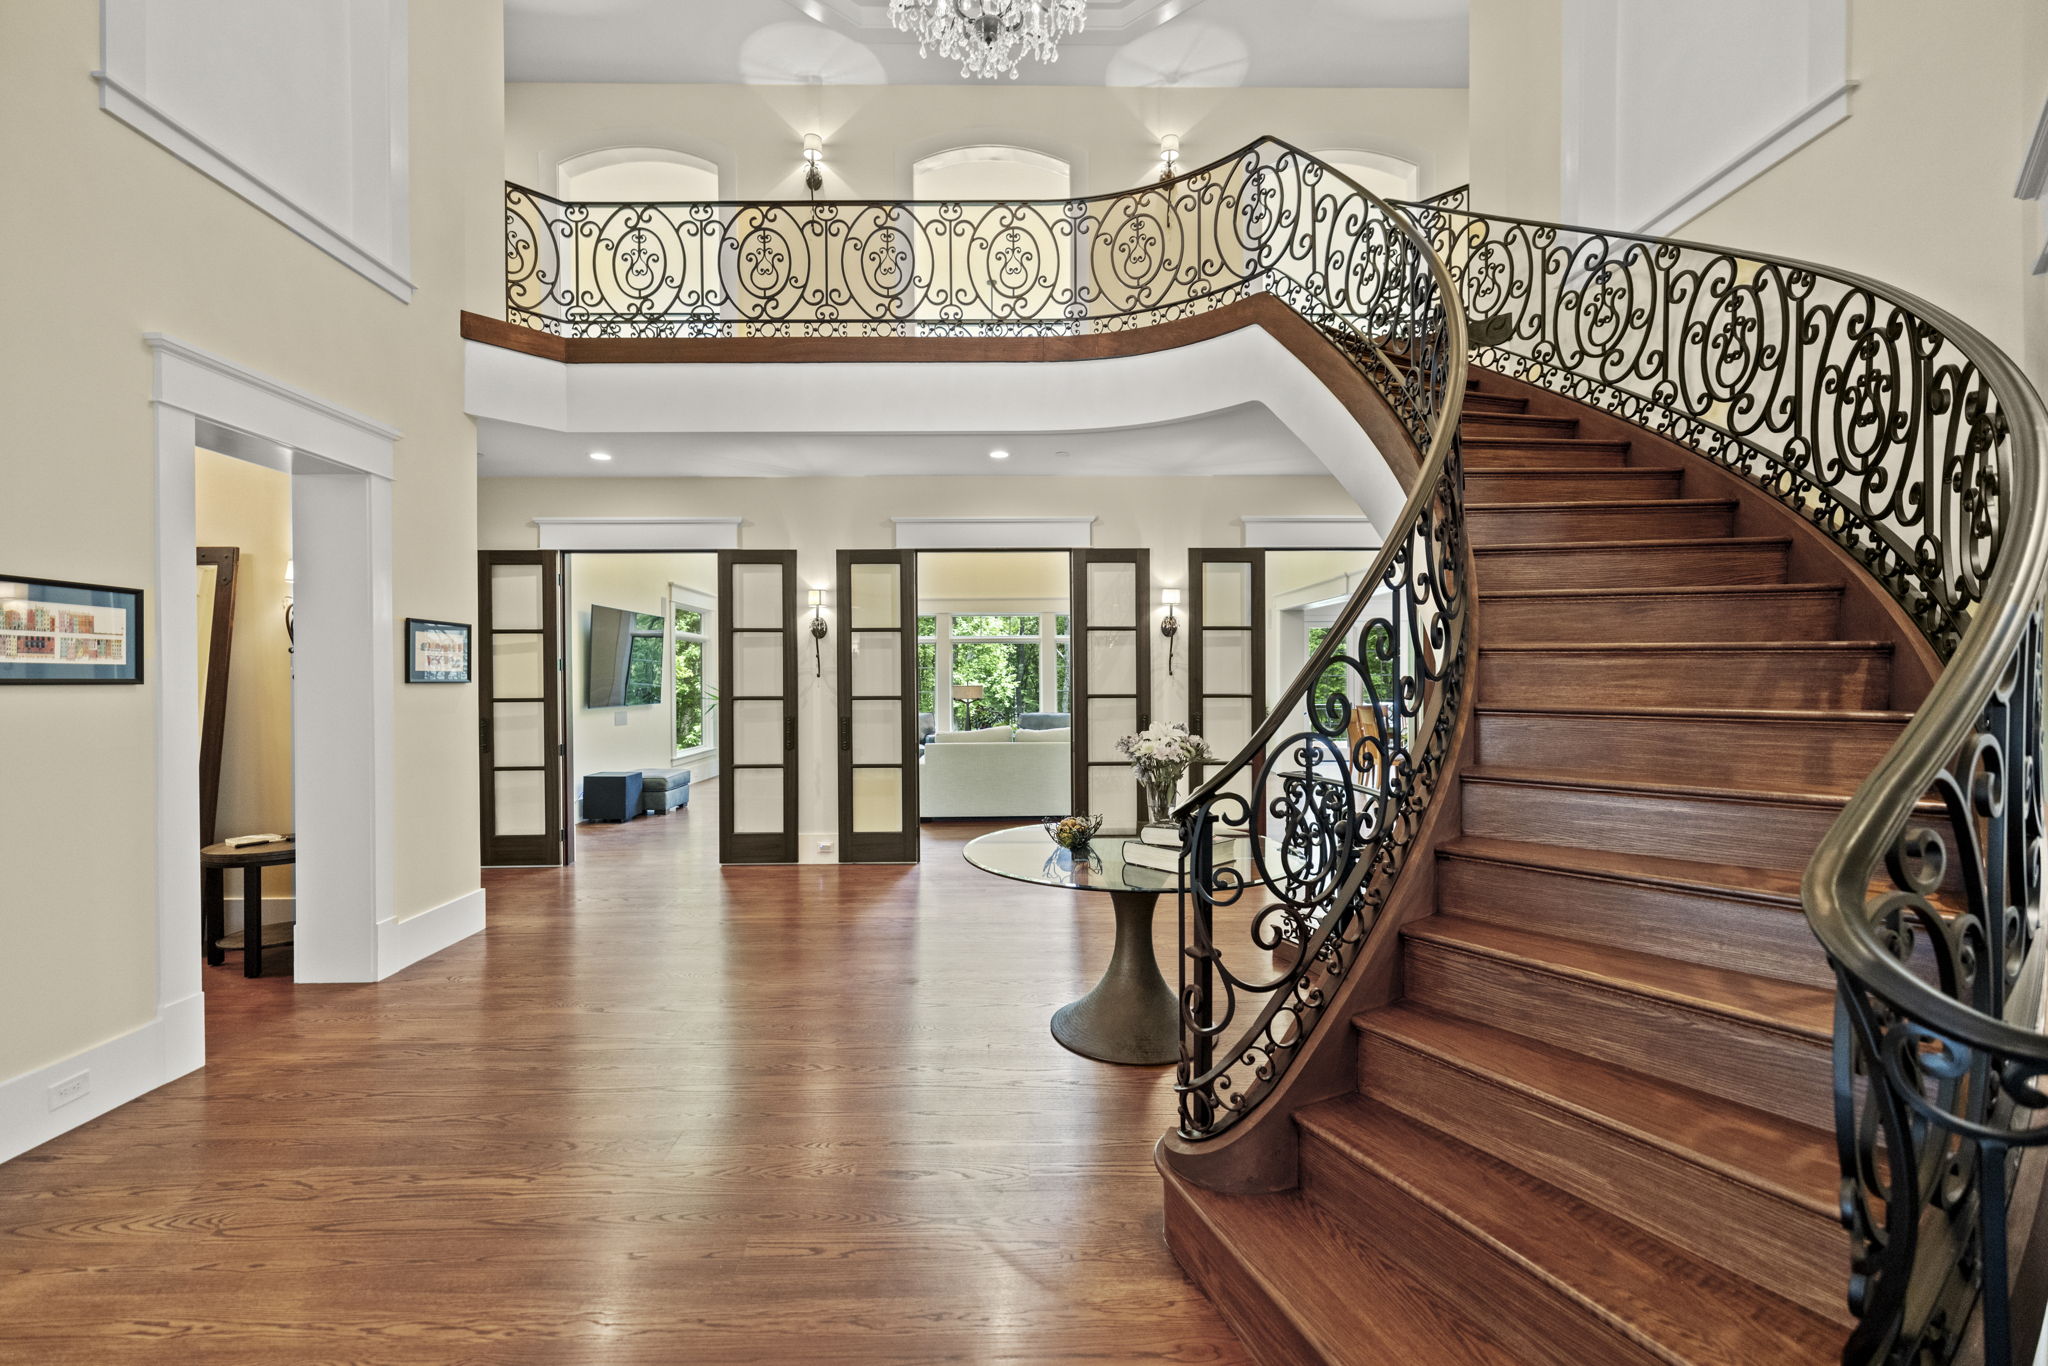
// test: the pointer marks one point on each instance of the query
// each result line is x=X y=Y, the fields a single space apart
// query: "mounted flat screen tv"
x=625 y=659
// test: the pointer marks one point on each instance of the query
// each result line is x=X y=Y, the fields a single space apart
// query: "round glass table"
x=1132 y=1015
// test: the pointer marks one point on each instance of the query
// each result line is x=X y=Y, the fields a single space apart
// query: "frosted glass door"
x=877 y=651
x=517 y=661
x=757 y=655
x=1226 y=644
x=1112 y=628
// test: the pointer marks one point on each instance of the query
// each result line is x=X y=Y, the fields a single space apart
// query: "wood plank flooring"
x=659 y=1113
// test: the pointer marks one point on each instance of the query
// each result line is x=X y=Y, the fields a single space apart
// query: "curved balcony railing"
x=1917 y=446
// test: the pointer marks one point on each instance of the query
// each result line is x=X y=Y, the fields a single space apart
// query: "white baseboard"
x=118 y=1071
x=401 y=943
x=807 y=842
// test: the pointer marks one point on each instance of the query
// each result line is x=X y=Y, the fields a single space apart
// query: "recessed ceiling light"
x=600 y=455
x=999 y=455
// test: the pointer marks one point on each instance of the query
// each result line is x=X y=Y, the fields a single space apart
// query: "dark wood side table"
x=252 y=859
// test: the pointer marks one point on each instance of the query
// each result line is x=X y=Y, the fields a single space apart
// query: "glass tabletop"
x=1026 y=853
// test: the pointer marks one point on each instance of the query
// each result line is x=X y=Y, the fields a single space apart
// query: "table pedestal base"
x=1132 y=1015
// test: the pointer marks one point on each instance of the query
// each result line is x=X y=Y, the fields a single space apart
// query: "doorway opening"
x=642 y=700
x=995 y=724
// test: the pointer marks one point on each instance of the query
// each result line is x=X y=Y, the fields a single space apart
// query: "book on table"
x=1147 y=855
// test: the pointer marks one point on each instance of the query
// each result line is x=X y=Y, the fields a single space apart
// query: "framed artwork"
x=436 y=651
x=52 y=631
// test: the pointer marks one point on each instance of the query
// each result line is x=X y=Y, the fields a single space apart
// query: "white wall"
x=128 y=239
x=611 y=738
x=818 y=517
x=874 y=134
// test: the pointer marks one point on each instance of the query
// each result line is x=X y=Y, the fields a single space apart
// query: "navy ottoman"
x=664 y=789
x=611 y=796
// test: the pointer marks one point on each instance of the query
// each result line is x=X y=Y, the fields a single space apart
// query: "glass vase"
x=1159 y=789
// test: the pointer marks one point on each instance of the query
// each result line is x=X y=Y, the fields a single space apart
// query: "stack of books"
x=1159 y=846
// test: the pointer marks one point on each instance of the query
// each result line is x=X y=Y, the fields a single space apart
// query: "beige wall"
x=874 y=133
x=1516 y=106
x=249 y=507
x=1915 y=187
x=818 y=517
x=120 y=238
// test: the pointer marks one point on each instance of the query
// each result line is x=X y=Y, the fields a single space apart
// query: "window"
x=1343 y=680
x=636 y=175
x=1017 y=660
x=696 y=696
x=991 y=172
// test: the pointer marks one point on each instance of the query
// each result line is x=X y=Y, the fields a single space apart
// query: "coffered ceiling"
x=1332 y=43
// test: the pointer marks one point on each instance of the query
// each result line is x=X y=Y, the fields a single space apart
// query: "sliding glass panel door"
x=757 y=647
x=518 y=658
x=878 y=693
x=1226 y=648
x=1111 y=677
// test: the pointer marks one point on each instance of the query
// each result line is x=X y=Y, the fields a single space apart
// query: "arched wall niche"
x=640 y=174
x=991 y=171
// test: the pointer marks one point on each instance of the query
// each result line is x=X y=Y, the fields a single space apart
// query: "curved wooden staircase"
x=1595 y=1125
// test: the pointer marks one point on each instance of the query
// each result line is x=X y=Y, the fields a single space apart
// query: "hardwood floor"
x=658 y=1113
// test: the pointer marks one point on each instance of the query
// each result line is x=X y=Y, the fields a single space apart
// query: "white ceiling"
x=1245 y=440
x=1334 y=43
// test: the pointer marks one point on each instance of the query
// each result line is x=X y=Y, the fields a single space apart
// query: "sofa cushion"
x=1044 y=720
x=986 y=735
x=1046 y=737
x=662 y=779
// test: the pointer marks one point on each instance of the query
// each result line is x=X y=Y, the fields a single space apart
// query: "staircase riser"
x=1788 y=679
x=1594 y=458
x=1661 y=567
x=1496 y=426
x=1502 y=1296
x=1720 y=1055
x=1648 y=523
x=1495 y=403
x=1752 y=1232
x=1261 y=1324
x=1810 y=756
x=1545 y=486
x=1678 y=618
x=1766 y=938
x=1706 y=829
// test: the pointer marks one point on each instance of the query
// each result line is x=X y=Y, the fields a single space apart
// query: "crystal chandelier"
x=989 y=37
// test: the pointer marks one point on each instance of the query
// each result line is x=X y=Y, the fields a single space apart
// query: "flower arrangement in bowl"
x=1073 y=832
x=1159 y=754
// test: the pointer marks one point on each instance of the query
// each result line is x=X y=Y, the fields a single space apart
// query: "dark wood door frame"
x=904 y=844
x=551 y=847
x=1078 y=628
x=220 y=654
x=735 y=846
x=1198 y=612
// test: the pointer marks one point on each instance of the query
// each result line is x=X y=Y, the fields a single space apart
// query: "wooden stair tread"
x=1585 y=504
x=1313 y=1271
x=1686 y=646
x=1769 y=1002
x=1776 y=885
x=1792 y=1161
x=1622 y=547
x=1548 y=443
x=1667 y=591
x=1760 y=715
x=1681 y=1309
x=1642 y=787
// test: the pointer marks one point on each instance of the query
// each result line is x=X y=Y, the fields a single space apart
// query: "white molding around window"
x=638 y=533
x=171 y=73
x=1310 y=533
x=993 y=533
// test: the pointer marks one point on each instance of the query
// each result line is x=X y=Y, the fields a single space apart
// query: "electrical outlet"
x=62 y=1093
x=824 y=846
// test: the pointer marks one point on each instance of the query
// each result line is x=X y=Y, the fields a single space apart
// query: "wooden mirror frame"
x=213 y=717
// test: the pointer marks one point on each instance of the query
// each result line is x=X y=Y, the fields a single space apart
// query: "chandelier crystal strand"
x=990 y=37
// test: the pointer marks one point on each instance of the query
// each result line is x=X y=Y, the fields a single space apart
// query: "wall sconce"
x=818 y=628
x=1169 y=625
x=1169 y=155
x=814 y=153
x=290 y=625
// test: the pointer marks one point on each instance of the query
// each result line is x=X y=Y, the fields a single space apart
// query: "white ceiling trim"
x=638 y=533
x=1310 y=533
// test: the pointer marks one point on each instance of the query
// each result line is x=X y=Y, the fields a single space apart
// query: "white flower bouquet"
x=1159 y=754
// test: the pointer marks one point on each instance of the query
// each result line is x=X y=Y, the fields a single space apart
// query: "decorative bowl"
x=1073 y=832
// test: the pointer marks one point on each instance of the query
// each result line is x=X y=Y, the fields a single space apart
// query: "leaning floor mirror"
x=217 y=566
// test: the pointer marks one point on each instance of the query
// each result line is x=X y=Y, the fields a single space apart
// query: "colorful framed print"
x=436 y=651
x=53 y=631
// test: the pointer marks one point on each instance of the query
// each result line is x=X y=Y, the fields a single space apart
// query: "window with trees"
x=1018 y=660
x=696 y=698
